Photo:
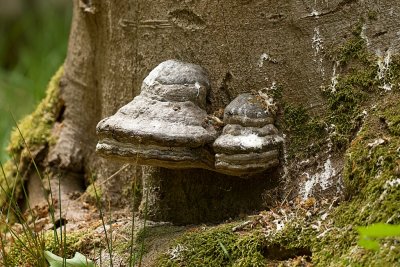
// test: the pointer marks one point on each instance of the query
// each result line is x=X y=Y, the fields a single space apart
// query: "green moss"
x=29 y=250
x=369 y=171
x=306 y=134
x=352 y=49
x=373 y=195
x=393 y=75
x=354 y=84
x=370 y=176
x=92 y=194
x=344 y=106
x=357 y=86
x=371 y=168
x=371 y=143
x=36 y=131
x=372 y=15
x=357 y=79
x=36 y=127
x=392 y=119
x=216 y=246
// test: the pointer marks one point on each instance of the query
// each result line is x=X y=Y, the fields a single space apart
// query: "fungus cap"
x=163 y=126
x=249 y=143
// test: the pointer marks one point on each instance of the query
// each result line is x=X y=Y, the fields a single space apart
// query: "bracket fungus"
x=164 y=126
x=249 y=142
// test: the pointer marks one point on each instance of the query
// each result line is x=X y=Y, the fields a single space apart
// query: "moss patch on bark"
x=361 y=77
x=33 y=135
x=363 y=122
x=36 y=127
x=312 y=232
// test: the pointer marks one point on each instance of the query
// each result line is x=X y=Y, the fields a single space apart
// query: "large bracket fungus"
x=164 y=126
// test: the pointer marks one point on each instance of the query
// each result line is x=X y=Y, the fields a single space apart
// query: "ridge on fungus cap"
x=249 y=110
x=249 y=142
x=164 y=125
x=177 y=81
x=177 y=72
x=148 y=121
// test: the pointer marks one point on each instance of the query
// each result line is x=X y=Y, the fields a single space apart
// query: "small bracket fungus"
x=163 y=125
x=249 y=142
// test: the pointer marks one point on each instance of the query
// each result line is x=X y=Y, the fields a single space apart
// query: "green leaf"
x=370 y=234
x=368 y=243
x=380 y=230
x=78 y=260
x=224 y=249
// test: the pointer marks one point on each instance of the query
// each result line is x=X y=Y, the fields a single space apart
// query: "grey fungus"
x=176 y=81
x=250 y=110
x=249 y=142
x=165 y=126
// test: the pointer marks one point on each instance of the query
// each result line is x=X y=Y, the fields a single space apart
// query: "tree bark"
x=245 y=45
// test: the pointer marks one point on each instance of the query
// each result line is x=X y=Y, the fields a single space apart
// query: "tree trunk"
x=245 y=45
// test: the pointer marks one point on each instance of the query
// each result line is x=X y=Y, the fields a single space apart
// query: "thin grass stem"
x=49 y=202
x=103 y=222
x=144 y=228
x=62 y=238
x=132 y=257
x=111 y=229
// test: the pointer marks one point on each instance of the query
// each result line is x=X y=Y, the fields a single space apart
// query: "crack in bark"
x=151 y=24
x=338 y=8
x=87 y=6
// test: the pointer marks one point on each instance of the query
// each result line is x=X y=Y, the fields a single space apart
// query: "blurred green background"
x=33 y=44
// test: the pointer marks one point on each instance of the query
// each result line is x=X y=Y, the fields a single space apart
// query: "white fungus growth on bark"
x=323 y=179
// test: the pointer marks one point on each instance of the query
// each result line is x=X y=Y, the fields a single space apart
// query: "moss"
x=306 y=134
x=357 y=85
x=36 y=127
x=25 y=251
x=393 y=75
x=344 y=106
x=216 y=246
x=371 y=143
x=372 y=15
x=392 y=120
x=372 y=196
x=36 y=131
x=371 y=163
x=92 y=194
x=356 y=81
x=352 y=49
x=369 y=169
